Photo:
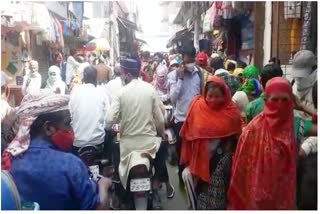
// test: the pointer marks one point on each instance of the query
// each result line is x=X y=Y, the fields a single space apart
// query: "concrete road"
x=179 y=202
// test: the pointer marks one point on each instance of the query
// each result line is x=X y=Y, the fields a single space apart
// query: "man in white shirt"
x=138 y=108
x=72 y=66
x=33 y=80
x=115 y=85
x=88 y=106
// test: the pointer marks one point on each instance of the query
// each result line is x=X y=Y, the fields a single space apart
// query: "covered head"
x=54 y=74
x=279 y=101
x=303 y=64
x=251 y=71
x=217 y=93
x=41 y=113
x=130 y=66
x=202 y=58
x=161 y=80
x=214 y=108
x=251 y=87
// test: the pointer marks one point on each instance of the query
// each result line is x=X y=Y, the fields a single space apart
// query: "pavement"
x=179 y=201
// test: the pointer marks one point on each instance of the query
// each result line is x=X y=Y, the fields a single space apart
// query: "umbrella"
x=100 y=44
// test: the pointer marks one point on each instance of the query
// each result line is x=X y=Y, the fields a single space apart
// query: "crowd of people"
x=243 y=138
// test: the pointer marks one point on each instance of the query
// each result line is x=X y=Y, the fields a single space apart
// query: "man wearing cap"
x=32 y=81
x=202 y=61
x=184 y=84
x=88 y=108
x=138 y=108
x=304 y=73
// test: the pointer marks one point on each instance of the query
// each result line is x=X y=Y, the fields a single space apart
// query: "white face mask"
x=305 y=83
x=190 y=66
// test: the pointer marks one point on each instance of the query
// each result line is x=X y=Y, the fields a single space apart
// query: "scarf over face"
x=204 y=124
x=33 y=104
x=161 y=78
x=264 y=166
x=54 y=80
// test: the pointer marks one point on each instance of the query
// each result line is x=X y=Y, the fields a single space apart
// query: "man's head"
x=188 y=53
x=303 y=64
x=117 y=70
x=216 y=63
x=73 y=52
x=145 y=56
x=268 y=72
x=90 y=75
x=34 y=66
x=129 y=70
x=202 y=59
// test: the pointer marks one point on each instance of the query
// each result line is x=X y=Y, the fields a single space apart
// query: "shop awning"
x=186 y=32
x=126 y=23
x=141 y=41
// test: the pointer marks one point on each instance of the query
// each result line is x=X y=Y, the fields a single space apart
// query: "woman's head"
x=216 y=93
x=161 y=74
x=279 y=99
x=251 y=71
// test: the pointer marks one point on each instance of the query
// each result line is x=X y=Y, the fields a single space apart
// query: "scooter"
x=140 y=185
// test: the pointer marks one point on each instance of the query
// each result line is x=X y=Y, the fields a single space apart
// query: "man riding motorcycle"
x=138 y=109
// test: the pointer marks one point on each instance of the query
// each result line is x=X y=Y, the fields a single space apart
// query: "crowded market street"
x=159 y=105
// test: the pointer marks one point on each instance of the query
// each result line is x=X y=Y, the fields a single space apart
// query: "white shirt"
x=71 y=68
x=88 y=106
x=115 y=86
x=31 y=82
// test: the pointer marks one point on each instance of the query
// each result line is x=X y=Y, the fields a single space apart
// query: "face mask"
x=190 y=66
x=63 y=139
x=278 y=110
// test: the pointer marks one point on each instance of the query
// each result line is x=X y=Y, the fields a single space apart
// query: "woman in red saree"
x=264 y=166
x=209 y=134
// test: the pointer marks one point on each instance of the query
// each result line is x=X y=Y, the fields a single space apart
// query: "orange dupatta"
x=203 y=124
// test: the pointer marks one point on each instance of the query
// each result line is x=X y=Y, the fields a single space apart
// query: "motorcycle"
x=140 y=185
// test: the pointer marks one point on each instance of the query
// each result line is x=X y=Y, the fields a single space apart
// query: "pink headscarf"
x=161 y=78
x=32 y=105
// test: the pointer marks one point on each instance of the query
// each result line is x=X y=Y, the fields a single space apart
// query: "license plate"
x=140 y=185
x=94 y=171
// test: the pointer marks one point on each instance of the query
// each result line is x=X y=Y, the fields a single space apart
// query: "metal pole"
x=196 y=25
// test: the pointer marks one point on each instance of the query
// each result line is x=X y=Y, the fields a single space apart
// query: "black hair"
x=188 y=50
x=231 y=66
x=216 y=63
x=145 y=54
x=54 y=118
x=90 y=75
x=268 y=72
x=212 y=85
x=78 y=58
x=73 y=51
x=275 y=60
x=241 y=64
x=315 y=95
